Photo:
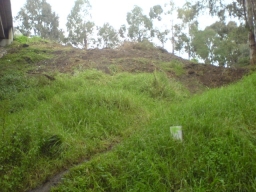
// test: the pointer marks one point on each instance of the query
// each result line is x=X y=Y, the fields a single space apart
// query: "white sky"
x=112 y=11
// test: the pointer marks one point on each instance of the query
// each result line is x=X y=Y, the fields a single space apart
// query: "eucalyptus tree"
x=245 y=10
x=122 y=31
x=231 y=48
x=79 y=24
x=204 y=43
x=155 y=14
x=162 y=36
x=185 y=31
x=140 y=26
x=37 y=18
x=108 y=35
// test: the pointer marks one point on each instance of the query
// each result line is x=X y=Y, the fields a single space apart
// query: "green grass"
x=14 y=65
x=217 y=153
x=49 y=125
x=173 y=66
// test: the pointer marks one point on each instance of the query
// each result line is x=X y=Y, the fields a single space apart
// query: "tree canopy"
x=37 y=18
x=140 y=25
x=79 y=24
x=108 y=35
x=244 y=10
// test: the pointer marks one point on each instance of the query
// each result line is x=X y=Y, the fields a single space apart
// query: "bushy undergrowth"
x=216 y=154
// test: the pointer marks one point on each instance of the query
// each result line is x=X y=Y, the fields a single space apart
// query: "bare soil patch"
x=134 y=59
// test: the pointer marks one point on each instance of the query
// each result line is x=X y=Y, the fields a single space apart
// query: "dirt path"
x=46 y=187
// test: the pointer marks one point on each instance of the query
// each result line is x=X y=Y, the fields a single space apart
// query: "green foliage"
x=36 y=17
x=230 y=43
x=173 y=66
x=183 y=41
x=162 y=36
x=204 y=42
x=237 y=10
x=25 y=40
x=220 y=43
x=79 y=26
x=155 y=12
x=188 y=12
x=22 y=39
x=109 y=36
x=140 y=26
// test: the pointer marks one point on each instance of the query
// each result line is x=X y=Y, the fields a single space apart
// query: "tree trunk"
x=85 y=44
x=250 y=7
x=252 y=45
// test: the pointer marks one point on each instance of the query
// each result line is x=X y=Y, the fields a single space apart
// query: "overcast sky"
x=112 y=11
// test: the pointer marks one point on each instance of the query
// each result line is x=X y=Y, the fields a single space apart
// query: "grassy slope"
x=51 y=125
x=217 y=154
x=48 y=125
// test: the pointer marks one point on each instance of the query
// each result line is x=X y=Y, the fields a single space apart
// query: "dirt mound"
x=210 y=76
x=134 y=57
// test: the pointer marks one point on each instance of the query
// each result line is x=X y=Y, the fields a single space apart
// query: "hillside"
x=129 y=57
x=99 y=120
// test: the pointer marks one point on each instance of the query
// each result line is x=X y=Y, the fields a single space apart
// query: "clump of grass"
x=156 y=85
x=51 y=146
x=173 y=66
x=25 y=39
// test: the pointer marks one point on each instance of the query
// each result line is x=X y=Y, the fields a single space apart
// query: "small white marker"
x=176 y=132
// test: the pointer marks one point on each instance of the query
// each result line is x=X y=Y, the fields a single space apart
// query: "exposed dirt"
x=210 y=76
x=134 y=59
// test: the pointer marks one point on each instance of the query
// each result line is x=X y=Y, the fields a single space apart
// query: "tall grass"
x=50 y=125
x=217 y=153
